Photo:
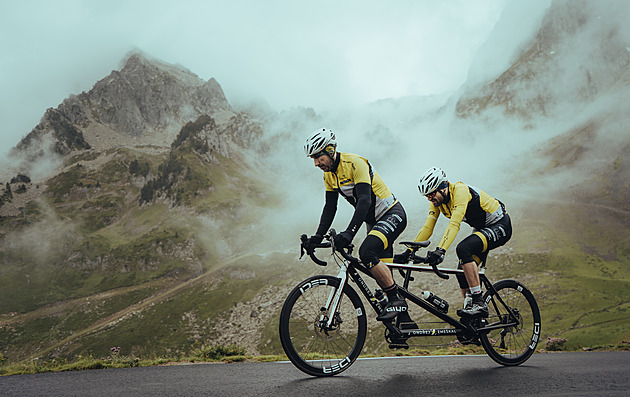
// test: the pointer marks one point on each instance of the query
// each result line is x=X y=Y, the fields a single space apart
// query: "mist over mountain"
x=579 y=54
x=150 y=210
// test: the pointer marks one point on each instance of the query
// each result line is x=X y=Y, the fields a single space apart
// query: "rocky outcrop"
x=580 y=52
x=145 y=103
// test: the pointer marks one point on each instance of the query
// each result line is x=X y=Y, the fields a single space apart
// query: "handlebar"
x=416 y=245
x=303 y=238
x=438 y=272
x=346 y=252
x=423 y=259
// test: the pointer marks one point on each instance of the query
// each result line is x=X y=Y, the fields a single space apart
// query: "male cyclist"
x=354 y=178
x=487 y=216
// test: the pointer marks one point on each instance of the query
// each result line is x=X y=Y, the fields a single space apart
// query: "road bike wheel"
x=511 y=345
x=308 y=342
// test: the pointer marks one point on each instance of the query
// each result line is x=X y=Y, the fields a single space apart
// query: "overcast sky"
x=322 y=54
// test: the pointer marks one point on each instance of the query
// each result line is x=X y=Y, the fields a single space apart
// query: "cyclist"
x=356 y=180
x=487 y=216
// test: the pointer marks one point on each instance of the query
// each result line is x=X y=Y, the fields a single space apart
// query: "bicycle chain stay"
x=407 y=344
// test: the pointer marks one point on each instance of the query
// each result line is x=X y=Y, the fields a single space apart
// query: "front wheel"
x=514 y=323
x=311 y=344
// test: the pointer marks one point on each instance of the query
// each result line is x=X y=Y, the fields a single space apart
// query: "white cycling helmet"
x=431 y=180
x=318 y=141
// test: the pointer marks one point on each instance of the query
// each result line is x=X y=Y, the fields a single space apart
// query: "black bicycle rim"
x=511 y=345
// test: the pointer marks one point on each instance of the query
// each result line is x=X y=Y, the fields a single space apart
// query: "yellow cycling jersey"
x=466 y=203
x=354 y=169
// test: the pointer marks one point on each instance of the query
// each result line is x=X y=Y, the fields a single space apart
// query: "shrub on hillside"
x=555 y=344
x=219 y=352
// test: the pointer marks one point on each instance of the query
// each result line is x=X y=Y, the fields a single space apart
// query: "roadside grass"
x=226 y=354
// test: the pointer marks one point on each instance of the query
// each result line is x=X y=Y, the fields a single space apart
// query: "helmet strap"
x=447 y=196
x=336 y=158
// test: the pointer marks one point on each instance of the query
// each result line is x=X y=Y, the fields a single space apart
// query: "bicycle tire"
x=310 y=348
x=515 y=344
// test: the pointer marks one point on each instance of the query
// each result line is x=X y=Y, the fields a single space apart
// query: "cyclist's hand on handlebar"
x=311 y=243
x=435 y=257
x=343 y=239
x=404 y=257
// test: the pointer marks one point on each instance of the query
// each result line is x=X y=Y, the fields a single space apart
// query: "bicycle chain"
x=406 y=345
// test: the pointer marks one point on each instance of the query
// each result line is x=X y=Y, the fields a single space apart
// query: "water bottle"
x=380 y=297
x=436 y=301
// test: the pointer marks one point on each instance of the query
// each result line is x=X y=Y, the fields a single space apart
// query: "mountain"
x=153 y=186
x=146 y=102
x=148 y=213
x=579 y=53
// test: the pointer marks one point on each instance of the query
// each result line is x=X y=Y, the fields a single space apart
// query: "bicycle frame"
x=459 y=328
x=508 y=334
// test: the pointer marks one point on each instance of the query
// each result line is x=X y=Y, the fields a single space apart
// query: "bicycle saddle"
x=415 y=245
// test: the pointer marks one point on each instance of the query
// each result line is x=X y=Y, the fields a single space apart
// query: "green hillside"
x=115 y=230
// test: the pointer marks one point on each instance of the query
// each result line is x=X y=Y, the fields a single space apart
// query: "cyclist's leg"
x=470 y=252
x=473 y=249
x=377 y=247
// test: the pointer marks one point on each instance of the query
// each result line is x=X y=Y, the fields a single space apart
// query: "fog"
x=326 y=55
x=579 y=78
x=384 y=77
x=400 y=145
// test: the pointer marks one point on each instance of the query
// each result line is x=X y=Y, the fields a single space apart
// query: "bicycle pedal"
x=399 y=345
x=478 y=314
x=470 y=342
x=406 y=322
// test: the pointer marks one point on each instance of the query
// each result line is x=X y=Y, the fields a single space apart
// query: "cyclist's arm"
x=461 y=197
x=329 y=211
x=429 y=225
x=362 y=191
x=364 y=201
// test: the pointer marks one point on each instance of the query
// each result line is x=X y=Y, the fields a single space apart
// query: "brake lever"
x=303 y=238
x=346 y=255
x=311 y=254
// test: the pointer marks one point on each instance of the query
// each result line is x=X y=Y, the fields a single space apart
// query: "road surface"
x=570 y=374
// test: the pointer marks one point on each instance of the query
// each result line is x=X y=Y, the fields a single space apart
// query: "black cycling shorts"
x=475 y=247
x=379 y=244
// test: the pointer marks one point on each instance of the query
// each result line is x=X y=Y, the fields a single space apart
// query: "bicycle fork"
x=334 y=297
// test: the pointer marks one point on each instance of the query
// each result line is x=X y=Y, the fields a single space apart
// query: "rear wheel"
x=312 y=345
x=515 y=342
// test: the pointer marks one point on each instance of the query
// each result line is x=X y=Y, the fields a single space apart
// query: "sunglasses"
x=431 y=195
x=318 y=154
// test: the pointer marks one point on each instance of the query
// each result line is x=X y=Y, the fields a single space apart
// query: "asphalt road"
x=570 y=374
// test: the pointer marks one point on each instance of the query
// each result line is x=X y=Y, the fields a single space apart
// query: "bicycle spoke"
x=313 y=342
x=512 y=344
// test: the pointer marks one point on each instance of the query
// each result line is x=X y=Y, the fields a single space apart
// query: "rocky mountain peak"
x=579 y=53
x=146 y=102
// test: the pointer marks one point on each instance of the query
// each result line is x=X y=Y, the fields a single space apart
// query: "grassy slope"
x=69 y=248
x=72 y=247
x=574 y=257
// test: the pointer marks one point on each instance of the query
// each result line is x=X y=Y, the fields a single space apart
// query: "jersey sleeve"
x=427 y=229
x=328 y=213
x=461 y=197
